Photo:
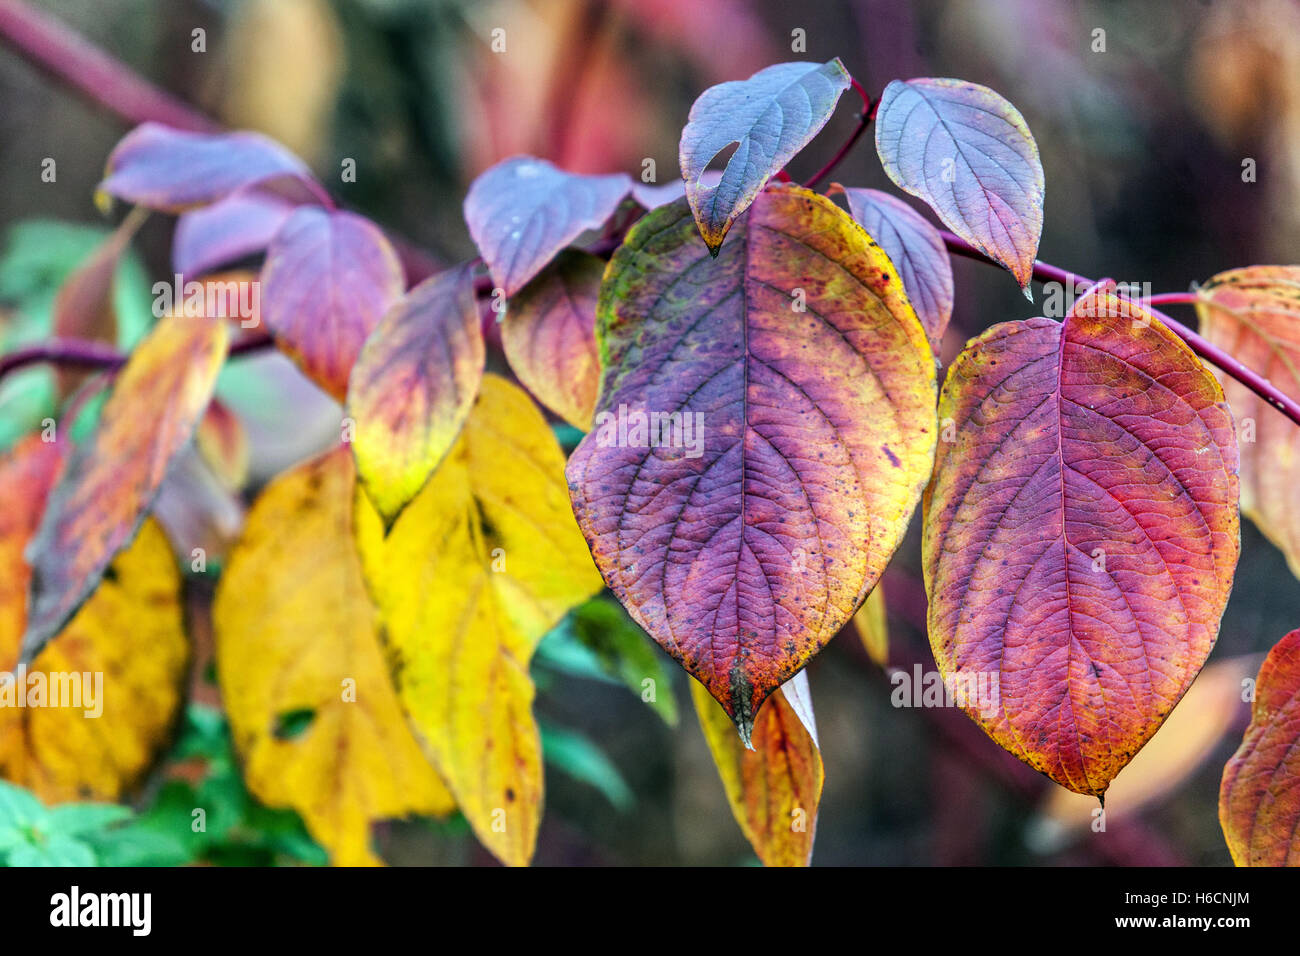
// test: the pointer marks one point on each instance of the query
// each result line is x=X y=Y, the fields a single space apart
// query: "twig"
x=864 y=120
x=98 y=77
x=1045 y=272
x=83 y=353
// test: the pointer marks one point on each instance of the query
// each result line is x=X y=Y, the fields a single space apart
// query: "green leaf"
x=55 y=850
x=626 y=653
x=580 y=758
x=20 y=809
x=76 y=819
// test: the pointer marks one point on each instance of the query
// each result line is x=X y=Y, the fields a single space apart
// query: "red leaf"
x=84 y=307
x=1259 y=800
x=328 y=279
x=1080 y=534
x=550 y=339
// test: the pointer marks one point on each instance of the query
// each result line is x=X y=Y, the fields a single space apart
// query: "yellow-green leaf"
x=298 y=637
x=482 y=563
x=873 y=627
x=412 y=387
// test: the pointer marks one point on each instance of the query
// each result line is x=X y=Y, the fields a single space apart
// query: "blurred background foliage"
x=1143 y=132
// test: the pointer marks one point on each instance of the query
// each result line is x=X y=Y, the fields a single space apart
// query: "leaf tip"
x=103 y=200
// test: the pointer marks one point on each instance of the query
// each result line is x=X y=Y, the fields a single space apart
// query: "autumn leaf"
x=523 y=211
x=915 y=248
x=242 y=224
x=1254 y=315
x=1080 y=533
x=873 y=626
x=968 y=153
x=97 y=506
x=173 y=170
x=549 y=336
x=1212 y=707
x=298 y=642
x=222 y=443
x=769 y=118
x=1259 y=801
x=793 y=390
x=328 y=279
x=775 y=787
x=129 y=633
x=85 y=307
x=481 y=564
x=413 y=385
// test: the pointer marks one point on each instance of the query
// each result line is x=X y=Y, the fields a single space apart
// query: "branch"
x=864 y=120
x=83 y=353
x=1045 y=272
x=98 y=77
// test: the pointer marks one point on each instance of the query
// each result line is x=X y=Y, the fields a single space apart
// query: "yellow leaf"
x=873 y=627
x=123 y=656
x=284 y=64
x=773 y=789
x=297 y=637
x=484 y=560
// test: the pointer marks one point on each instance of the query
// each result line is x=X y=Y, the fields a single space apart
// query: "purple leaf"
x=524 y=210
x=915 y=248
x=769 y=117
x=328 y=279
x=173 y=170
x=242 y=224
x=967 y=152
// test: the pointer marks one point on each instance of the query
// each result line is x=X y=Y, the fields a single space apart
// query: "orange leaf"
x=1259 y=801
x=1254 y=315
x=1081 y=534
x=97 y=506
x=775 y=787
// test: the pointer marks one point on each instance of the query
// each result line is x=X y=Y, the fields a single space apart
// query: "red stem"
x=1206 y=349
x=1173 y=298
x=83 y=353
x=864 y=120
x=94 y=74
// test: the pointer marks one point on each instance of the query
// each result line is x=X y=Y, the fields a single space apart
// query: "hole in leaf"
x=723 y=156
x=293 y=723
